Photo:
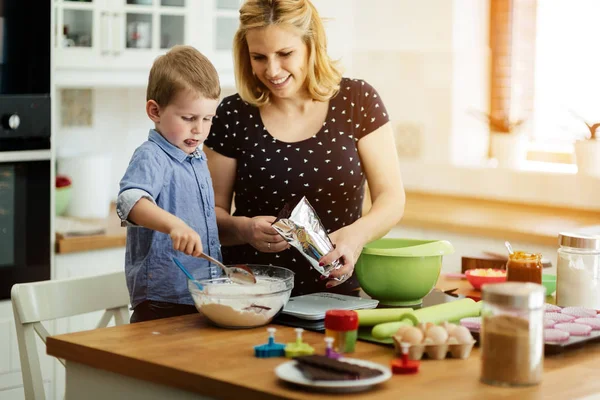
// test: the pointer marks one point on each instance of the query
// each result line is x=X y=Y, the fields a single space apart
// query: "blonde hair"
x=323 y=74
x=182 y=68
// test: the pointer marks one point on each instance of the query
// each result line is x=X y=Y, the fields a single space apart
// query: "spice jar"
x=578 y=271
x=342 y=326
x=512 y=334
x=524 y=267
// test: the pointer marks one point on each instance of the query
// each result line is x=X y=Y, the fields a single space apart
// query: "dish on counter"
x=289 y=373
x=231 y=305
x=478 y=277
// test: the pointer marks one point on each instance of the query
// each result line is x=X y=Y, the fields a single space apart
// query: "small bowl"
x=478 y=280
x=231 y=305
x=549 y=282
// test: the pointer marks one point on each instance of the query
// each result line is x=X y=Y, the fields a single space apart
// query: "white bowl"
x=231 y=305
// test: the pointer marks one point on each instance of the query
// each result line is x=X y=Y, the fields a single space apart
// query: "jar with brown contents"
x=524 y=267
x=512 y=334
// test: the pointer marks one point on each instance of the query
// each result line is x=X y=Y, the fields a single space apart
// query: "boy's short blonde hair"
x=323 y=75
x=182 y=68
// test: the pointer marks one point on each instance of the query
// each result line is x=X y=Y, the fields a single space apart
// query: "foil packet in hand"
x=301 y=227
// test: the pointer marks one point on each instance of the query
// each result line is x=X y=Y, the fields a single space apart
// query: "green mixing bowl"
x=549 y=282
x=400 y=272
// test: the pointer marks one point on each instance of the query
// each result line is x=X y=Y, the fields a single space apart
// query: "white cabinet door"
x=97 y=41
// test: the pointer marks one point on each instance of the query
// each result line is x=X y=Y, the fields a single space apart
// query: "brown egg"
x=462 y=335
x=437 y=334
x=401 y=330
x=412 y=335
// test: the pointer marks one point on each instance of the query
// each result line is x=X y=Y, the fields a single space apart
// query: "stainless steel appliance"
x=25 y=157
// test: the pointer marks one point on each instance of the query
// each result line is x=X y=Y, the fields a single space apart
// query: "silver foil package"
x=302 y=228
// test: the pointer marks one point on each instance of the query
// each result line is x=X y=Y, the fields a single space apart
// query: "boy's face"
x=185 y=122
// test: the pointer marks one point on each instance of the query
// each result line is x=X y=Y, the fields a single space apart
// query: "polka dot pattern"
x=326 y=168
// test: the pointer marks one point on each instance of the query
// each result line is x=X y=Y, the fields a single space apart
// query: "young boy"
x=166 y=196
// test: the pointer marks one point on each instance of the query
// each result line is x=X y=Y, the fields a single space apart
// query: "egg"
x=449 y=327
x=412 y=335
x=401 y=330
x=437 y=334
x=462 y=335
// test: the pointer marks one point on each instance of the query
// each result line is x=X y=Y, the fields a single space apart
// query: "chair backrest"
x=49 y=300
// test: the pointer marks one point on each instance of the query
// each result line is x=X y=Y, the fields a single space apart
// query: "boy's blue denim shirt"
x=180 y=184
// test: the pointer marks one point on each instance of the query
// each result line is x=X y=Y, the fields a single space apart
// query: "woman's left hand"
x=347 y=249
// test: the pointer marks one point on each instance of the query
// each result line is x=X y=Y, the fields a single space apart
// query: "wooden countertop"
x=494 y=219
x=466 y=216
x=175 y=351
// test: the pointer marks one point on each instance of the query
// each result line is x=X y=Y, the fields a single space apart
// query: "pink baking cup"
x=579 y=312
x=549 y=323
x=555 y=335
x=574 y=329
x=471 y=322
x=593 y=322
x=551 y=308
x=559 y=317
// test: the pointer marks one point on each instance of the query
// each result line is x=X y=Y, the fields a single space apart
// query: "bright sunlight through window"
x=567 y=71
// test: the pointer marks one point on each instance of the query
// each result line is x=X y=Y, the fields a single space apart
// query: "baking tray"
x=574 y=342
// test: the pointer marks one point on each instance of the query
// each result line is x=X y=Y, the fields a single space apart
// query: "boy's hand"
x=186 y=240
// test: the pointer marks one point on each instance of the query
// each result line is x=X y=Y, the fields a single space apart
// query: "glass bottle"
x=578 y=271
x=512 y=334
x=524 y=267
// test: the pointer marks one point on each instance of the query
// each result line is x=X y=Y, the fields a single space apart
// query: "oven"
x=25 y=155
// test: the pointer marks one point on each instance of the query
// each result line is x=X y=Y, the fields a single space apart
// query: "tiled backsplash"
x=76 y=107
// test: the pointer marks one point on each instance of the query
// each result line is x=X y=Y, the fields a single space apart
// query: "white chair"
x=49 y=300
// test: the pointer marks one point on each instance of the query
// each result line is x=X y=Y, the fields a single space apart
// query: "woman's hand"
x=259 y=233
x=186 y=239
x=347 y=249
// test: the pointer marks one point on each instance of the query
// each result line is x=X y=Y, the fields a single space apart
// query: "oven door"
x=24 y=218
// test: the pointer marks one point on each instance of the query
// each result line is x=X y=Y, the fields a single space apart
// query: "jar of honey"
x=524 y=267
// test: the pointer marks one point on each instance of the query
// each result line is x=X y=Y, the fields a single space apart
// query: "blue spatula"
x=186 y=272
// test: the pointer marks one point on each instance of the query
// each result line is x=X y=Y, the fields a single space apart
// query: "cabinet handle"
x=105 y=33
x=117 y=35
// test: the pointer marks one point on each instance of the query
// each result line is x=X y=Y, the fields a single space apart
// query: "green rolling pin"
x=453 y=311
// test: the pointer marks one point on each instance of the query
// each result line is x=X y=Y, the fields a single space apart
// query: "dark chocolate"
x=340 y=367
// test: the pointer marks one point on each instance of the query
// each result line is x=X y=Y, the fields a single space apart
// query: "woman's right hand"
x=259 y=233
x=186 y=240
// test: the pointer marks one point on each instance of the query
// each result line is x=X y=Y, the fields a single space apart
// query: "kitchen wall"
x=429 y=62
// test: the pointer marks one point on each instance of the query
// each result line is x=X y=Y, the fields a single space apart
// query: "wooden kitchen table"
x=186 y=358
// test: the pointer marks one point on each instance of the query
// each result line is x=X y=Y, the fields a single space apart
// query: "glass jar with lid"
x=578 y=271
x=524 y=267
x=512 y=334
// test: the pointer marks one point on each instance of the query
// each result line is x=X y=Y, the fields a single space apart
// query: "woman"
x=297 y=128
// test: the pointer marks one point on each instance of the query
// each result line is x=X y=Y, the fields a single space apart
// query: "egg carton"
x=435 y=351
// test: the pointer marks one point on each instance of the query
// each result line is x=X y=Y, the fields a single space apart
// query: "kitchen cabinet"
x=112 y=43
x=92 y=37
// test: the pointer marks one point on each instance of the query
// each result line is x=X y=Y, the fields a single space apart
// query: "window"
x=567 y=72
x=545 y=66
